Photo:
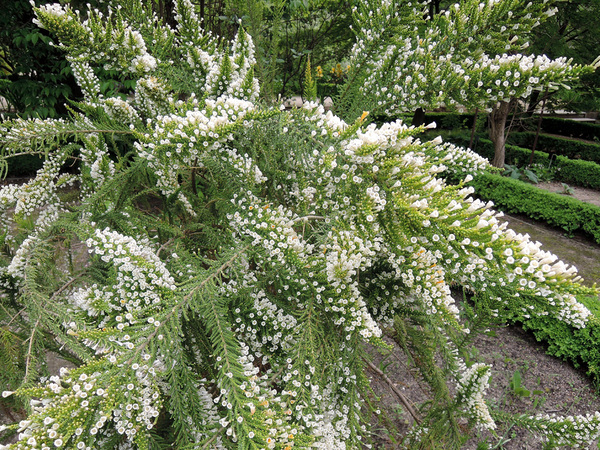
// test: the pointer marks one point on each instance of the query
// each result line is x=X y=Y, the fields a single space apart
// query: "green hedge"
x=571 y=128
x=514 y=155
x=580 y=346
x=578 y=172
x=575 y=172
x=561 y=146
x=515 y=196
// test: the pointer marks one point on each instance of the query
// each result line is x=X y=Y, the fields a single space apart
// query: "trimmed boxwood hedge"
x=578 y=345
x=515 y=196
x=578 y=172
x=514 y=155
x=571 y=128
x=561 y=146
x=575 y=172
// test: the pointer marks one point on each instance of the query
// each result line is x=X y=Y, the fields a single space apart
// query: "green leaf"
x=532 y=176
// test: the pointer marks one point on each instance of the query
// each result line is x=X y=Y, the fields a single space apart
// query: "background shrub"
x=514 y=196
x=579 y=346
x=561 y=146
x=570 y=128
x=572 y=171
x=578 y=172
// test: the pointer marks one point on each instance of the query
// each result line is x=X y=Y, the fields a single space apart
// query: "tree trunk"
x=473 y=128
x=418 y=118
x=498 y=118
x=539 y=126
x=534 y=101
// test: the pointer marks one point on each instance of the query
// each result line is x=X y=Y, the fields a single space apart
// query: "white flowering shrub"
x=215 y=269
x=469 y=55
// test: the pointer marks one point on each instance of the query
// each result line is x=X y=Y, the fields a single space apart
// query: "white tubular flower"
x=54 y=9
x=576 y=431
x=471 y=386
x=86 y=78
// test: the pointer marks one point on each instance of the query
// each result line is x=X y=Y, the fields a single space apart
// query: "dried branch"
x=400 y=395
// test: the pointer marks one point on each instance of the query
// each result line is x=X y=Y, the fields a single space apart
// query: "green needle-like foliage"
x=218 y=271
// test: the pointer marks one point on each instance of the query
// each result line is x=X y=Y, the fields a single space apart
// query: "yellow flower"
x=338 y=70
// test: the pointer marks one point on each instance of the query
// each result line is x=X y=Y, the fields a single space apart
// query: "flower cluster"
x=122 y=111
x=77 y=406
x=242 y=318
x=22 y=135
x=458 y=161
x=97 y=166
x=575 y=431
x=87 y=393
x=179 y=141
x=140 y=281
x=214 y=72
x=471 y=386
x=86 y=78
x=438 y=68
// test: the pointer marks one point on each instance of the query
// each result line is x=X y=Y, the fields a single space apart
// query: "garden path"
x=580 y=193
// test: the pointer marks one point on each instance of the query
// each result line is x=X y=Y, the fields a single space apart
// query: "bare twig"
x=162 y=247
x=13 y=317
x=29 y=348
x=400 y=395
x=307 y=218
x=212 y=439
x=65 y=286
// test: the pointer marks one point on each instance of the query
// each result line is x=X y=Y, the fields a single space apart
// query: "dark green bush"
x=515 y=196
x=24 y=165
x=579 y=346
x=560 y=146
x=576 y=172
x=514 y=155
x=570 y=128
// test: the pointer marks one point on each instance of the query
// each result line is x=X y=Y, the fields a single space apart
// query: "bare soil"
x=555 y=387
x=585 y=195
